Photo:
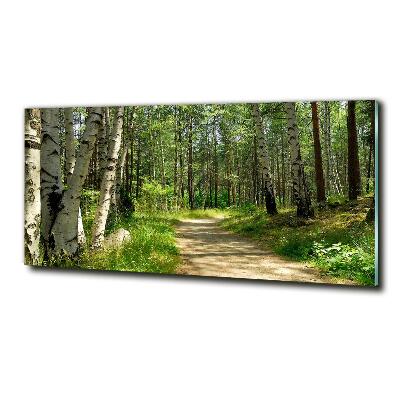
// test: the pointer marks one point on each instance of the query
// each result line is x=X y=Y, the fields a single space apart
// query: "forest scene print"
x=281 y=191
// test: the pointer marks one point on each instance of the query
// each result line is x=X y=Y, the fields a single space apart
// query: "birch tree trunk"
x=300 y=190
x=65 y=229
x=32 y=186
x=107 y=182
x=263 y=162
x=69 y=144
x=102 y=144
x=70 y=159
x=50 y=174
x=319 y=172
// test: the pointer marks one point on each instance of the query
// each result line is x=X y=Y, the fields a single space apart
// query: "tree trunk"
x=138 y=162
x=70 y=164
x=215 y=165
x=65 y=229
x=119 y=174
x=102 y=143
x=190 y=165
x=69 y=144
x=319 y=172
x=263 y=162
x=176 y=158
x=107 y=181
x=371 y=144
x=50 y=174
x=353 y=169
x=32 y=186
x=300 y=190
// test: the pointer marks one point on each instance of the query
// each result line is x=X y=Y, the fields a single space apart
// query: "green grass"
x=152 y=247
x=200 y=213
x=338 y=240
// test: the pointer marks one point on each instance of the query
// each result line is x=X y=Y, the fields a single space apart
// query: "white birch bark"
x=50 y=173
x=69 y=144
x=32 y=186
x=263 y=161
x=65 y=229
x=70 y=159
x=102 y=144
x=108 y=179
x=300 y=190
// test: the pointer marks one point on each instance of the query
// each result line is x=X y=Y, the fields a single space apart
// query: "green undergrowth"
x=152 y=246
x=337 y=240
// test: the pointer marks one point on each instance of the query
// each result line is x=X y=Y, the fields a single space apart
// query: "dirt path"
x=207 y=250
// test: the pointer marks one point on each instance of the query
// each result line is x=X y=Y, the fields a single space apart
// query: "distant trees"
x=270 y=203
x=319 y=172
x=354 y=177
x=300 y=189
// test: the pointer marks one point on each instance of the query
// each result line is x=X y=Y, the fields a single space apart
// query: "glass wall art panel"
x=278 y=191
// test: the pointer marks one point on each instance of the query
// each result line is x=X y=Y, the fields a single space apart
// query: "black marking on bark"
x=32 y=144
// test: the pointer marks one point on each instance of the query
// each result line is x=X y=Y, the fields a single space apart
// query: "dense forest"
x=91 y=170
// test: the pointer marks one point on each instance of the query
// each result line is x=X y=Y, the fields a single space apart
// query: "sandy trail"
x=208 y=250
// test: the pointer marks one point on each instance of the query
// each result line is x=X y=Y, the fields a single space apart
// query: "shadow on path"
x=207 y=250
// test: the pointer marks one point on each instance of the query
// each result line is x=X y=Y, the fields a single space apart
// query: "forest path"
x=208 y=250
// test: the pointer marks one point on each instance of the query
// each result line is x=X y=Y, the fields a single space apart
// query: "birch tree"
x=102 y=143
x=65 y=229
x=107 y=181
x=50 y=172
x=70 y=159
x=69 y=144
x=300 y=190
x=263 y=162
x=32 y=186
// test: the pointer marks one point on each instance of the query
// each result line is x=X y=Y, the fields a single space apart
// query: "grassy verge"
x=338 y=241
x=152 y=247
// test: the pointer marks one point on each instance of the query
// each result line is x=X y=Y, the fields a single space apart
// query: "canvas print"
x=281 y=191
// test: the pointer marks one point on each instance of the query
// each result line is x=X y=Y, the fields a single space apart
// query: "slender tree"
x=371 y=212
x=102 y=143
x=353 y=170
x=262 y=152
x=190 y=164
x=107 y=182
x=300 y=190
x=371 y=152
x=70 y=159
x=32 y=186
x=319 y=172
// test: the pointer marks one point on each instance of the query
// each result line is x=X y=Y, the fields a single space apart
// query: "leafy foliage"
x=338 y=241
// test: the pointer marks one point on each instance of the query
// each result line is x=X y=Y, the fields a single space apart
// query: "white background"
x=80 y=336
